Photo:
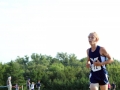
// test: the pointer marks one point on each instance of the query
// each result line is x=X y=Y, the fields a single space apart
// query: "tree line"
x=63 y=72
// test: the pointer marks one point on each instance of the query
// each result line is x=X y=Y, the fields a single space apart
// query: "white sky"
x=51 y=26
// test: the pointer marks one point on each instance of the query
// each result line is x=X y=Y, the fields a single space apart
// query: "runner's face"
x=92 y=39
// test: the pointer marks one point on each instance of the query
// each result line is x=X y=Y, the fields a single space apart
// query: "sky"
x=51 y=26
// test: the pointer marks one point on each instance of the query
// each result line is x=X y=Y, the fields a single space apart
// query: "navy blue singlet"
x=98 y=74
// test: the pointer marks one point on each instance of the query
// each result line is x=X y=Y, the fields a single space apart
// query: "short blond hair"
x=95 y=34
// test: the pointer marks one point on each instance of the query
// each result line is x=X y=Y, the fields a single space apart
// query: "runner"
x=9 y=84
x=97 y=55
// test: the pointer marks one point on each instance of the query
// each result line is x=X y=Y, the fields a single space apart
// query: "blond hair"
x=9 y=78
x=95 y=34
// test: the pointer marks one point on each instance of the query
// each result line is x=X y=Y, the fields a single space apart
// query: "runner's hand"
x=97 y=63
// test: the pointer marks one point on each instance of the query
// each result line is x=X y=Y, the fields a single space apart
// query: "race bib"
x=95 y=68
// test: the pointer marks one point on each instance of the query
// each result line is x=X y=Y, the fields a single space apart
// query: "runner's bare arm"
x=88 y=60
x=104 y=52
